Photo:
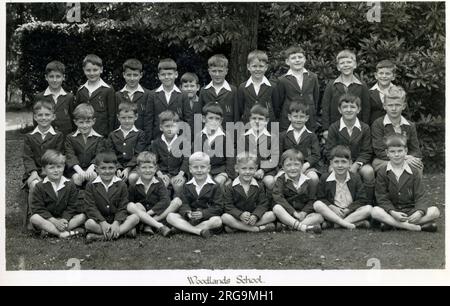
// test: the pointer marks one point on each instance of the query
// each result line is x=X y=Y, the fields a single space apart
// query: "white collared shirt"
x=126 y=133
x=198 y=188
x=354 y=80
x=169 y=144
x=398 y=172
x=342 y=126
x=99 y=180
x=61 y=185
x=237 y=181
x=343 y=197
x=257 y=86
x=397 y=128
x=299 y=80
x=51 y=130
x=301 y=180
x=140 y=182
x=55 y=95
x=382 y=93
x=225 y=85
x=211 y=138
x=132 y=92
x=91 y=133
x=252 y=132
x=168 y=94
x=91 y=89
x=298 y=134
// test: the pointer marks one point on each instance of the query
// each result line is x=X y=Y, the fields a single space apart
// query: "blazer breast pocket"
x=98 y=104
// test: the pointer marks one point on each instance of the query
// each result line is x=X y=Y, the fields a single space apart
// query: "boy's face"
x=190 y=88
x=340 y=165
x=348 y=110
x=292 y=168
x=384 y=76
x=84 y=125
x=132 y=77
x=218 y=74
x=246 y=171
x=146 y=171
x=169 y=129
x=212 y=121
x=167 y=77
x=396 y=154
x=296 y=61
x=106 y=171
x=54 y=172
x=92 y=72
x=346 y=66
x=258 y=122
x=127 y=119
x=394 y=107
x=298 y=119
x=199 y=169
x=257 y=69
x=54 y=79
x=44 y=117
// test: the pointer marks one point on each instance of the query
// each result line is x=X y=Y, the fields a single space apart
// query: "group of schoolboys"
x=108 y=163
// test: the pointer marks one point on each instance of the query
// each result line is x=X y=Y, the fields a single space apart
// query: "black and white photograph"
x=223 y=143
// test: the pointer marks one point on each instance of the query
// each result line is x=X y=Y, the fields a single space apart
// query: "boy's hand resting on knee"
x=197 y=215
x=354 y=168
x=245 y=217
x=259 y=174
x=106 y=229
x=300 y=216
x=60 y=224
x=115 y=230
x=415 y=217
x=253 y=219
x=399 y=216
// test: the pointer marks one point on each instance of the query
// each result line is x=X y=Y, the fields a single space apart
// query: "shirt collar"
x=91 y=133
x=98 y=179
x=101 y=83
x=139 y=88
x=291 y=128
x=51 y=130
x=133 y=129
x=332 y=177
x=252 y=132
x=264 y=81
x=387 y=120
x=62 y=182
x=225 y=85
x=343 y=126
x=209 y=180
x=175 y=88
x=166 y=142
x=302 y=179
x=153 y=181
x=61 y=92
x=217 y=133
x=406 y=167
x=237 y=181
x=376 y=87
x=354 y=80
x=290 y=72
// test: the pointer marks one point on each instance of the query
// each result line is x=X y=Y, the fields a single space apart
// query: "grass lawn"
x=334 y=249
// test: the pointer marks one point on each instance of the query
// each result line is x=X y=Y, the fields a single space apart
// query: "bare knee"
x=377 y=212
x=35 y=219
x=318 y=205
x=134 y=219
x=433 y=212
x=216 y=221
x=131 y=208
x=171 y=217
x=367 y=209
x=269 y=182
x=226 y=218
x=313 y=176
x=132 y=178
x=269 y=215
x=90 y=224
x=77 y=179
x=278 y=209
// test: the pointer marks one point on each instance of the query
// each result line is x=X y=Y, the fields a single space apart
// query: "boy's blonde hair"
x=52 y=157
x=43 y=104
x=396 y=140
x=93 y=59
x=257 y=55
x=292 y=154
x=84 y=111
x=146 y=157
x=199 y=156
x=218 y=60
x=246 y=157
x=55 y=66
x=395 y=93
x=346 y=54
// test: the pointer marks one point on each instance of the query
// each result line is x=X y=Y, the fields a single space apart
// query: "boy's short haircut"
x=396 y=140
x=199 y=156
x=246 y=157
x=298 y=106
x=341 y=151
x=189 y=77
x=292 y=154
x=349 y=98
x=55 y=66
x=257 y=55
x=168 y=115
x=395 y=93
x=346 y=54
x=387 y=64
x=146 y=157
x=259 y=109
x=105 y=157
x=127 y=107
x=218 y=60
x=52 y=157
x=84 y=111
x=93 y=59
x=292 y=50
x=213 y=108
x=43 y=104
x=167 y=64
x=132 y=64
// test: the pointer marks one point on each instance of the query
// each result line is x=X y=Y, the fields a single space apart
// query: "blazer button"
x=107 y=206
x=124 y=143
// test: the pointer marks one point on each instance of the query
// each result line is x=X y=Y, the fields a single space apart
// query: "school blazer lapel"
x=262 y=91
x=375 y=95
x=61 y=101
x=332 y=189
x=50 y=192
x=290 y=136
x=96 y=92
x=356 y=135
x=112 y=191
x=101 y=190
x=207 y=188
x=345 y=135
x=404 y=178
x=84 y=93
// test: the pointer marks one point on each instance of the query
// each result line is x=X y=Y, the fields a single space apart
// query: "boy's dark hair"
x=132 y=64
x=259 y=109
x=386 y=64
x=396 y=140
x=298 y=106
x=218 y=60
x=246 y=157
x=52 y=157
x=292 y=50
x=167 y=64
x=43 y=104
x=257 y=55
x=349 y=98
x=293 y=154
x=168 y=115
x=214 y=108
x=341 y=151
x=105 y=157
x=84 y=111
x=55 y=66
x=127 y=107
x=93 y=59
x=146 y=157
x=189 y=77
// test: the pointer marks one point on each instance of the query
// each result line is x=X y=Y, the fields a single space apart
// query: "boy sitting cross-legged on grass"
x=54 y=206
x=201 y=200
x=149 y=198
x=341 y=198
x=245 y=201
x=400 y=192
x=106 y=200
x=293 y=195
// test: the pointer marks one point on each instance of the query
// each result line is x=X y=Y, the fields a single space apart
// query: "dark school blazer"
x=209 y=202
x=285 y=194
x=157 y=197
x=167 y=163
x=308 y=145
x=226 y=99
x=80 y=153
x=247 y=98
x=376 y=105
x=264 y=142
x=126 y=149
